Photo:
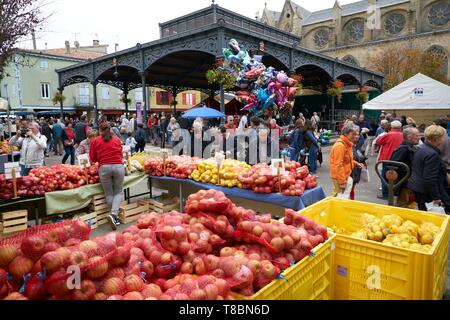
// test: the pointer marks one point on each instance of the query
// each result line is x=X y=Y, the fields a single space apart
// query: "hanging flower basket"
x=336 y=89
x=58 y=98
x=363 y=94
x=221 y=77
x=125 y=100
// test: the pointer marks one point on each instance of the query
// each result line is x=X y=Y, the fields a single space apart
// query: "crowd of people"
x=425 y=151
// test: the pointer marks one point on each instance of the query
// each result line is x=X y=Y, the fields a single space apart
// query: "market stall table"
x=256 y=201
x=60 y=202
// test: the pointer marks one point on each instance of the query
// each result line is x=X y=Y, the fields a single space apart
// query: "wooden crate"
x=102 y=218
x=161 y=205
x=13 y=221
x=131 y=212
x=89 y=218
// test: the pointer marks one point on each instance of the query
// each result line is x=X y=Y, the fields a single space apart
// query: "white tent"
x=417 y=93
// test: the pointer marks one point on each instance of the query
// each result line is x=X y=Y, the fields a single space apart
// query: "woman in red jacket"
x=107 y=151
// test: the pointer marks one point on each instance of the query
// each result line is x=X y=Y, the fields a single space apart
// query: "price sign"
x=12 y=168
x=83 y=161
x=279 y=167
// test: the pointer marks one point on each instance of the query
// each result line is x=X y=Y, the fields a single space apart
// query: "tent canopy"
x=203 y=112
x=417 y=93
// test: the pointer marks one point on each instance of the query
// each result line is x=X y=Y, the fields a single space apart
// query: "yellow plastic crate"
x=309 y=279
x=403 y=273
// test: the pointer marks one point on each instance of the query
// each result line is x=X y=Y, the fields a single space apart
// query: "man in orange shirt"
x=341 y=159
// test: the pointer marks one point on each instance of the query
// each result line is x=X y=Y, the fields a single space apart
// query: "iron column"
x=94 y=85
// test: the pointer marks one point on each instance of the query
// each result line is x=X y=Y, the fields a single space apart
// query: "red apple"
x=134 y=283
x=121 y=257
x=56 y=284
x=268 y=269
x=7 y=253
x=51 y=246
x=89 y=247
x=152 y=291
x=20 y=266
x=148 y=268
x=78 y=258
x=52 y=261
x=113 y=286
x=86 y=292
x=187 y=268
x=133 y=296
x=33 y=247
x=99 y=269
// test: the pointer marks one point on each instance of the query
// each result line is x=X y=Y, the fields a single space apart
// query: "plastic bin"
x=309 y=279
x=370 y=270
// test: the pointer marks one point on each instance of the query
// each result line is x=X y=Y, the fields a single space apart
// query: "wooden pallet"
x=89 y=218
x=13 y=222
x=131 y=212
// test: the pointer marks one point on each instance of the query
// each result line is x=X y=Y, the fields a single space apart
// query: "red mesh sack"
x=297 y=220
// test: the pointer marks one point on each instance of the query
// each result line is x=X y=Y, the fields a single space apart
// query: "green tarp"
x=60 y=202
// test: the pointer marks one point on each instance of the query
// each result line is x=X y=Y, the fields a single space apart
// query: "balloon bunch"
x=262 y=89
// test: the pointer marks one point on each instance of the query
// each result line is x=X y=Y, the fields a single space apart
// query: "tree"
x=399 y=64
x=18 y=18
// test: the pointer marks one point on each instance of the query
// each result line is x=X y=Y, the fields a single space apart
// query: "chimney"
x=67 y=47
x=96 y=43
x=77 y=45
x=117 y=47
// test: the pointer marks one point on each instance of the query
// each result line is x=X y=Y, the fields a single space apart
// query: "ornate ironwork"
x=439 y=14
x=394 y=23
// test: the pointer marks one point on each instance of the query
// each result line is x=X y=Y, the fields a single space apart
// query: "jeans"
x=112 y=177
x=383 y=186
x=294 y=154
x=140 y=147
x=69 y=151
x=24 y=171
x=58 y=146
x=312 y=161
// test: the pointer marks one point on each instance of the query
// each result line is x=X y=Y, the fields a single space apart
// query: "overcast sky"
x=128 y=22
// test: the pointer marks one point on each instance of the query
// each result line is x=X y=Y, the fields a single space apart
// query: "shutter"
x=158 y=98
x=184 y=99
x=194 y=99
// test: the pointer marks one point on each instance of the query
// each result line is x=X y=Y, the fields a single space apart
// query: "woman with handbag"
x=68 y=138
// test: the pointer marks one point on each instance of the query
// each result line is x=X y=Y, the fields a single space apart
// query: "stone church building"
x=342 y=31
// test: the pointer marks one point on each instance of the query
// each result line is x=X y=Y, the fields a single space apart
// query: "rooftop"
x=347 y=10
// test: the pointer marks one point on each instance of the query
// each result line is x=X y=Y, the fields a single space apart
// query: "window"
x=45 y=90
x=355 y=30
x=105 y=93
x=439 y=14
x=139 y=95
x=321 y=38
x=5 y=91
x=350 y=59
x=84 y=94
x=44 y=64
x=163 y=98
x=189 y=99
x=394 y=23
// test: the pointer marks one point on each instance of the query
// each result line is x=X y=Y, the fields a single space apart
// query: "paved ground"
x=366 y=192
